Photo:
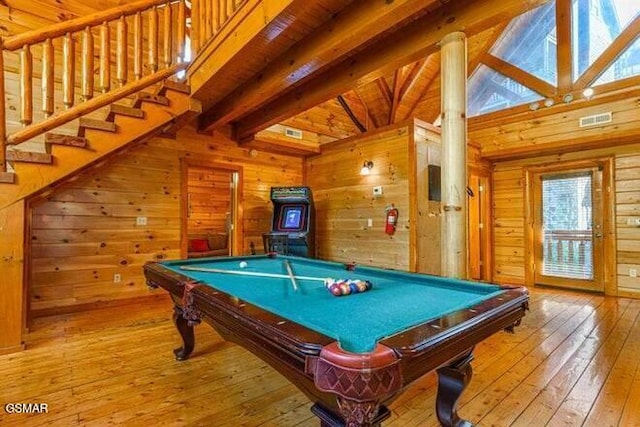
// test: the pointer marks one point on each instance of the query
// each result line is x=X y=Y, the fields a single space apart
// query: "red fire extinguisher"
x=392 y=220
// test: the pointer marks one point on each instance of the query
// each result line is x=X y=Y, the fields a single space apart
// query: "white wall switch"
x=369 y=222
x=141 y=220
x=633 y=272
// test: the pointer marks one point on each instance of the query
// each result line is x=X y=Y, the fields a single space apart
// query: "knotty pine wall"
x=209 y=199
x=344 y=200
x=85 y=232
x=560 y=133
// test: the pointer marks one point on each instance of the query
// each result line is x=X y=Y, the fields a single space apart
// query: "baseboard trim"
x=12 y=349
x=54 y=311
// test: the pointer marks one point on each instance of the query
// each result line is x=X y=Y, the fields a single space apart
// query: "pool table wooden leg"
x=452 y=380
x=186 y=332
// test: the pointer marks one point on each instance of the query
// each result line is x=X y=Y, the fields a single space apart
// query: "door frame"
x=237 y=247
x=484 y=217
x=606 y=165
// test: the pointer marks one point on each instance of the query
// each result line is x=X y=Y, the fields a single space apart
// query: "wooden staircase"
x=96 y=141
x=140 y=99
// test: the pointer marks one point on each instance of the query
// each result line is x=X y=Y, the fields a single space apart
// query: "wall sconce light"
x=587 y=93
x=366 y=167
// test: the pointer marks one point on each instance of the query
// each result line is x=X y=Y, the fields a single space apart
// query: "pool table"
x=350 y=354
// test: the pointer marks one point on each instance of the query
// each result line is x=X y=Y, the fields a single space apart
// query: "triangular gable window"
x=491 y=91
x=627 y=65
x=596 y=24
x=529 y=43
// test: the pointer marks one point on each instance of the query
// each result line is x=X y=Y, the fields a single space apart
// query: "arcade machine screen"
x=292 y=218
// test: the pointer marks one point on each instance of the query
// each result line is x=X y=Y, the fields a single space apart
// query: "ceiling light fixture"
x=366 y=167
x=587 y=93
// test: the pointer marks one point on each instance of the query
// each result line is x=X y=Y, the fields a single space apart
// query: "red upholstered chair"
x=208 y=244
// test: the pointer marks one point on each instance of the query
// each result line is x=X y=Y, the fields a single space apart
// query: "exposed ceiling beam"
x=412 y=42
x=418 y=86
x=385 y=90
x=519 y=75
x=565 y=55
x=477 y=59
x=371 y=104
x=343 y=102
x=357 y=24
x=398 y=82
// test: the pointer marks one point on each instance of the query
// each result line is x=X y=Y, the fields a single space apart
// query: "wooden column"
x=454 y=155
x=12 y=294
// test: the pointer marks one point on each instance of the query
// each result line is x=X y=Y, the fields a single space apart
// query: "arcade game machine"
x=292 y=224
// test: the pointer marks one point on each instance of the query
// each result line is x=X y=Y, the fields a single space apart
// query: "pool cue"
x=291 y=276
x=249 y=273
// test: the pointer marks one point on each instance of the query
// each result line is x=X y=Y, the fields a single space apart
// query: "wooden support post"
x=454 y=155
x=137 y=46
x=231 y=7
x=196 y=27
x=211 y=21
x=181 y=31
x=68 y=71
x=153 y=40
x=3 y=122
x=26 y=88
x=167 y=36
x=87 y=64
x=122 y=53
x=105 y=59
x=48 y=60
x=12 y=286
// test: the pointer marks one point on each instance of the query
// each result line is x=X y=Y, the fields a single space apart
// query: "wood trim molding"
x=608 y=221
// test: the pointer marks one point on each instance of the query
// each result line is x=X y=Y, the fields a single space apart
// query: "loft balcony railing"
x=73 y=68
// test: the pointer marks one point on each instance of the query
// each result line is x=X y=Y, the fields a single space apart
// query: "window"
x=595 y=25
x=491 y=91
x=529 y=43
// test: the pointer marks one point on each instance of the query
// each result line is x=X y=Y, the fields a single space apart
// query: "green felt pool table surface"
x=353 y=354
x=396 y=302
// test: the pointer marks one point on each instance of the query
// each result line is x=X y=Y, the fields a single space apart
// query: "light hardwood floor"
x=574 y=361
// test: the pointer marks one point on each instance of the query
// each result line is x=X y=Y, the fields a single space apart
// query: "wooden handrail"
x=161 y=53
x=74 y=25
x=93 y=104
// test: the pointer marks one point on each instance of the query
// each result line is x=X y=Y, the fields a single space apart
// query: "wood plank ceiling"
x=341 y=97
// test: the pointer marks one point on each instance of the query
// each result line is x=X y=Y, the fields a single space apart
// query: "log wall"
x=553 y=135
x=85 y=232
x=344 y=200
x=209 y=199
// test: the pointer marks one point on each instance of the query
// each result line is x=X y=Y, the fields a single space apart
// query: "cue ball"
x=243 y=264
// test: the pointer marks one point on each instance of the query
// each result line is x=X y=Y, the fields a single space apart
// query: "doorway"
x=210 y=209
x=571 y=224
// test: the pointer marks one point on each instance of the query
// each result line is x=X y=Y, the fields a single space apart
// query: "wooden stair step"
x=29 y=157
x=61 y=139
x=123 y=110
x=96 y=124
x=175 y=86
x=150 y=97
x=7 y=177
